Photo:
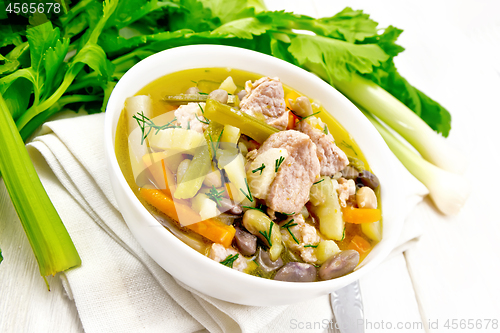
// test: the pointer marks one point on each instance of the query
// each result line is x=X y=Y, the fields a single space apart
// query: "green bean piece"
x=195 y=98
x=207 y=86
x=249 y=125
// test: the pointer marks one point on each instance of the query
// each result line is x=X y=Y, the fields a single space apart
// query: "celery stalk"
x=448 y=191
x=433 y=147
x=195 y=174
x=49 y=239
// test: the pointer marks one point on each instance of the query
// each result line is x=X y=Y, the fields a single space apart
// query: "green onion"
x=49 y=239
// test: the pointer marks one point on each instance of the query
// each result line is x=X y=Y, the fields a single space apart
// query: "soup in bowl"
x=247 y=178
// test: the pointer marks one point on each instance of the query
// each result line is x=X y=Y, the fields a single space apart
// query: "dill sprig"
x=278 y=163
x=202 y=111
x=319 y=181
x=287 y=226
x=267 y=234
x=325 y=130
x=147 y=125
x=345 y=144
x=261 y=207
x=202 y=121
x=249 y=195
x=287 y=214
x=311 y=245
x=202 y=93
x=302 y=118
x=261 y=168
x=230 y=259
x=215 y=195
x=343 y=235
x=215 y=145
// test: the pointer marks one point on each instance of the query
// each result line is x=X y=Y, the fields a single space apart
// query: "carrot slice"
x=291 y=95
x=359 y=244
x=212 y=229
x=361 y=215
x=292 y=118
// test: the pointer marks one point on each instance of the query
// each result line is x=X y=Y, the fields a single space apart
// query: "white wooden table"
x=451 y=275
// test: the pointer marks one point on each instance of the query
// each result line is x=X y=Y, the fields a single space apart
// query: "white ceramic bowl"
x=191 y=267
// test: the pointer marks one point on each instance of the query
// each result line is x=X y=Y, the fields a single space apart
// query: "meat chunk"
x=186 y=117
x=331 y=157
x=305 y=234
x=266 y=97
x=289 y=190
x=219 y=253
x=346 y=190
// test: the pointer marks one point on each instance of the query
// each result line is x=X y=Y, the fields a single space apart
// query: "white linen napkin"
x=118 y=287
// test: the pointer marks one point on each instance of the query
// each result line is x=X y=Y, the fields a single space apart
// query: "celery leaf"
x=243 y=28
x=337 y=58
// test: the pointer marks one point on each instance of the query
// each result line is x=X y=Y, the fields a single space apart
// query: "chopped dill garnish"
x=302 y=118
x=202 y=121
x=319 y=181
x=325 y=130
x=310 y=245
x=189 y=125
x=345 y=144
x=261 y=207
x=215 y=195
x=287 y=214
x=202 y=111
x=194 y=82
x=215 y=145
x=343 y=235
x=230 y=259
x=147 y=125
x=250 y=207
x=202 y=93
x=249 y=195
x=287 y=226
x=267 y=234
x=277 y=163
x=261 y=168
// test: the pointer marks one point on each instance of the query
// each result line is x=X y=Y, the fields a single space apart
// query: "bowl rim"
x=385 y=246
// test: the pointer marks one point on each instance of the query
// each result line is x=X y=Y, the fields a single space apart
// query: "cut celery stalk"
x=231 y=134
x=183 y=140
x=331 y=224
x=195 y=98
x=195 y=175
x=49 y=239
